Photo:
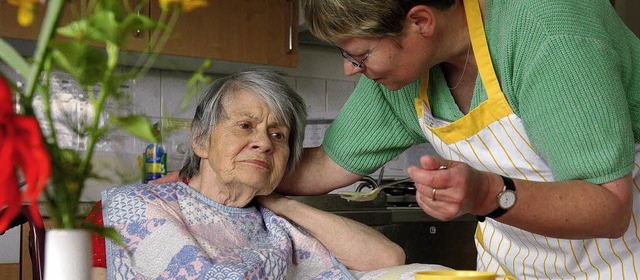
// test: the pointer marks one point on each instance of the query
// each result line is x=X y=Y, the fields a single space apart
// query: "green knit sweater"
x=570 y=69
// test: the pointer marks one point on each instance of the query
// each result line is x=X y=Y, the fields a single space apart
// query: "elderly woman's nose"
x=263 y=142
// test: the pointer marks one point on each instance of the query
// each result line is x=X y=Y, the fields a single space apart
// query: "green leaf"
x=138 y=126
x=115 y=7
x=103 y=27
x=133 y=23
x=86 y=64
x=49 y=23
x=112 y=55
x=100 y=26
x=197 y=81
x=76 y=30
x=106 y=232
x=10 y=56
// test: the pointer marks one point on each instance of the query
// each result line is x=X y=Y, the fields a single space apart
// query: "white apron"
x=492 y=138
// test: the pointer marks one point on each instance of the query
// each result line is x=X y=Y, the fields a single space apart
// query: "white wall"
x=319 y=79
x=10 y=246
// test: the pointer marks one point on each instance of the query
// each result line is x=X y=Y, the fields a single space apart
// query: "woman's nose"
x=350 y=69
x=262 y=142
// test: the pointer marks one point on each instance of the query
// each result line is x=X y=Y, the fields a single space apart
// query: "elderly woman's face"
x=247 y=146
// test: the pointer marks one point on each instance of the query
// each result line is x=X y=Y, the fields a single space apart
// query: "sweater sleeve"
x=575 y=111
x=373 y=127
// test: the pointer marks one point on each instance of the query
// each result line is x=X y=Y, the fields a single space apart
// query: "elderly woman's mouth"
x=258 y=163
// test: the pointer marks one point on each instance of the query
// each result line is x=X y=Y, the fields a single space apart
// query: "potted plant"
x=88 y=49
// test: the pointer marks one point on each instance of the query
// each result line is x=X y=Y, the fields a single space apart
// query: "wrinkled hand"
x=459 y=189
x=273 y=201
x=171 y=177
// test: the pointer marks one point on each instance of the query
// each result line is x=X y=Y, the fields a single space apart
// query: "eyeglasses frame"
x=353 y=61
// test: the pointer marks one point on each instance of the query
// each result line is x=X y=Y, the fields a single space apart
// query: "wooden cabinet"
x=252 y=31
x=9 y=27
x=255 y=31
x=10 y=271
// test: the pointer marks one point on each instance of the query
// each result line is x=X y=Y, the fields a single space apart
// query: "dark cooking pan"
x=403 y=188
x=406 y=188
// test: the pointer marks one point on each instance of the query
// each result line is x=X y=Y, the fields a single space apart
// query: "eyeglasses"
x=353 y=61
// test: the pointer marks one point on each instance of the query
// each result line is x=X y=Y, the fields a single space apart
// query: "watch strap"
x=508 y=185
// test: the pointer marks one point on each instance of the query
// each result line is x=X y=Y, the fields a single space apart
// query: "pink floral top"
x=172 y=231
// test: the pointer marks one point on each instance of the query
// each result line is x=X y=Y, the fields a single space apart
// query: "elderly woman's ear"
x=199 y=149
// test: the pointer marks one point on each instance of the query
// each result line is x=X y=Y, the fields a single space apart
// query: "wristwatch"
x=506 y=199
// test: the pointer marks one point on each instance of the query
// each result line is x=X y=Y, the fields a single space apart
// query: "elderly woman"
x=246 y=134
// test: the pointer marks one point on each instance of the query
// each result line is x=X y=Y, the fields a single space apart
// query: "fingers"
x=269 y=197
x=431 y=177
x=267 y=200
x=171 y=177
x=441 y=187
x=436 y=206
x=438 y=176
x=433 y=194
x=433 y=163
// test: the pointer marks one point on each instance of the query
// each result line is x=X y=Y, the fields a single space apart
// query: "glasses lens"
x=349 y=58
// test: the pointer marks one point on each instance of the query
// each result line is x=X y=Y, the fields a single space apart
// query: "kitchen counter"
x=423 y=238
x=375 y=212
x=392 y=215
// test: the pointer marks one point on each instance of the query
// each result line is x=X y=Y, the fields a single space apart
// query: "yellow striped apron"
x=492 y=138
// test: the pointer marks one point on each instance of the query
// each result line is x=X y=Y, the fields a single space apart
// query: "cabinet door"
x=254 y=31
x=9 y=27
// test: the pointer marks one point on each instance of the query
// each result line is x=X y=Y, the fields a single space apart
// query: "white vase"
x=67 y=254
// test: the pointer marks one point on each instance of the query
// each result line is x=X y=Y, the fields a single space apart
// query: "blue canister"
x=154 y=163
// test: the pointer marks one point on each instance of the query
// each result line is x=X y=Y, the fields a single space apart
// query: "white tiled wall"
x=9 y=246
x=319 y=80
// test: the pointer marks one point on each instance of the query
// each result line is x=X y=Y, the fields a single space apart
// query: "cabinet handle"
x=138 y=32
x=291 y=13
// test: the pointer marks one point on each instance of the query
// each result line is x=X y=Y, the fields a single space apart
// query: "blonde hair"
x=335 y=20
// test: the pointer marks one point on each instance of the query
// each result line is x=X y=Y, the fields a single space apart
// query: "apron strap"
x=481 y=49
x=496 y=105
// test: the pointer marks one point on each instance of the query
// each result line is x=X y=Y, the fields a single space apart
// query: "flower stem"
x=51 y=18
x=52 y=139
x=158 y=39
x=93 y=131
x=13 y=59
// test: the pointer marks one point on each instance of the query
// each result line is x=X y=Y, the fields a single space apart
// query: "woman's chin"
x=260 y=185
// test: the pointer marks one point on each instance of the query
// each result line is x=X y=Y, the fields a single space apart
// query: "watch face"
x=507 y=199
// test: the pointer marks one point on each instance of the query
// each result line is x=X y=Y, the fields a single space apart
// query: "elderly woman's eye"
x=278 y=136
x=245 y=125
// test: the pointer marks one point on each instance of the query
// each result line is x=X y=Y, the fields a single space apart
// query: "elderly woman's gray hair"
x=288 y=107
x=335 y=20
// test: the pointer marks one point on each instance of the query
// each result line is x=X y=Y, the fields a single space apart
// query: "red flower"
x=21 y=148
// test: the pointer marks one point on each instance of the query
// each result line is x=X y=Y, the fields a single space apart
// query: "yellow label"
x=154 y=167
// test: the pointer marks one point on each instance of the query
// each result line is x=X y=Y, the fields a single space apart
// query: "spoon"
x=368 y=196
